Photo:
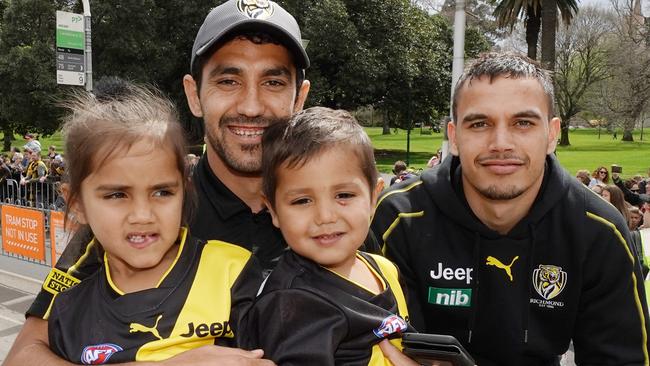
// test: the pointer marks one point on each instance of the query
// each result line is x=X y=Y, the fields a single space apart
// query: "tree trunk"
x=533 y=18
x=564 y=134
x=8 y=134
x=627 y=135
x=386 y=125
x=549 y=23
x=386 y=128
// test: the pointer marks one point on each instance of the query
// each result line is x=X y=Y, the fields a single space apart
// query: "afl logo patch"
x=256 y=9
x=99 y=354
x=390 y=325
x=549 y=280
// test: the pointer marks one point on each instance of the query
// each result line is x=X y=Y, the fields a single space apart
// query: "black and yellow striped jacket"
x=564 y=272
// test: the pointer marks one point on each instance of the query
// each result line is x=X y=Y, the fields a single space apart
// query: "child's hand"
x=217 y=355
x=395 y=356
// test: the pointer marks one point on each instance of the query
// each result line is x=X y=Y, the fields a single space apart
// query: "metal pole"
x=408 y=146
x=88 y=52
x=458 y=63
x=409 y=125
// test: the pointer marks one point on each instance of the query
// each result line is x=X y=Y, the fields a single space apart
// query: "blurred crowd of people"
x=37 y=173
x=31 y=164
x=629 y=196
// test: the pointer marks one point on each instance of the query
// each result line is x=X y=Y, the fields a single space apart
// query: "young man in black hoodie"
x=501 y=248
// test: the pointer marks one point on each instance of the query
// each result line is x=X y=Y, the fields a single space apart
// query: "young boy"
x=325 y=303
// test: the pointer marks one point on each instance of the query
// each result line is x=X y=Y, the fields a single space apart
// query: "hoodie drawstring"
x=475 y=285
x=529 y=292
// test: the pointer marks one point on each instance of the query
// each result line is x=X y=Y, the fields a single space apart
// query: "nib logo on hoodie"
x=450 y=296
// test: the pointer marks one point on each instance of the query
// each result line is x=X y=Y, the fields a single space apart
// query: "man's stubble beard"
x=495 y=193
x=229 y=155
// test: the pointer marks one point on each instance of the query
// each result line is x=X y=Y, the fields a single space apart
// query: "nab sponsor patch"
x=390 y=325
x=99 y=354
x=58 y=281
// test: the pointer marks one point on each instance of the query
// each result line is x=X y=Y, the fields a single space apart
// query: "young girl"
x=325 y=303
x=160 y=292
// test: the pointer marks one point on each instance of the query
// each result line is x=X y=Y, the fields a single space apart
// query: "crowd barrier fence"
x=31 y=217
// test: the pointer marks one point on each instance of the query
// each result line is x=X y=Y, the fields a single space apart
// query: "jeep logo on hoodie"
x=460 y=274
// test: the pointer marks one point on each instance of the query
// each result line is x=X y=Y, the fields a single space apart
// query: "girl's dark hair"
x=100 y=125
x=617 y=199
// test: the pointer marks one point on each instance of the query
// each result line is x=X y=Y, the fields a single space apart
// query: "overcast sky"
x=645 y=4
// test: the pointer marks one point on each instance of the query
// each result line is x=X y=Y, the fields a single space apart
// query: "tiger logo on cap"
x=256 y=9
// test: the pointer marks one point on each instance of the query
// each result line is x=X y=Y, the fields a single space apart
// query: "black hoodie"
x=564 y=272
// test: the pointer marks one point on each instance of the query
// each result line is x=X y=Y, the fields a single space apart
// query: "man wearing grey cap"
x=247 y=72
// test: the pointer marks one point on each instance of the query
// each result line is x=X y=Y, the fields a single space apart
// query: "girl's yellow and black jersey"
x=308 y=315
x=198 y=302
x=220 y=215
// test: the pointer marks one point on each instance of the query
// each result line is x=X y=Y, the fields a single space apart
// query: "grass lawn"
x=587 y=150
x=46 y=142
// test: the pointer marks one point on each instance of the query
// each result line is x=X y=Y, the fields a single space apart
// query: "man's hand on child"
x=395 y=356
x=217 y=355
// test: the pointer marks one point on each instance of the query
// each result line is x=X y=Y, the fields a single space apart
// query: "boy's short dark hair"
x=308 y=134
x=399 y=167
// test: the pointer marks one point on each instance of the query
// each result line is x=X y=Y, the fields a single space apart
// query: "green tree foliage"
x=149 y=42
x=28 y=91
x=508 y=13
x=536 y=14
x=389 y=54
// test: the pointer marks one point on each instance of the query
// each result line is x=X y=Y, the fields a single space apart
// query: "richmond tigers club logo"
x=549 y=280
x=256 y=9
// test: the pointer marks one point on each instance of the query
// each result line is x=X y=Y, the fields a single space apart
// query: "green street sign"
x=70 y=45
x=70 y=39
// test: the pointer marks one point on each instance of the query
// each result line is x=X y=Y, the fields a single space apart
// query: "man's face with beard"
x=502 y=136
x=245 y=88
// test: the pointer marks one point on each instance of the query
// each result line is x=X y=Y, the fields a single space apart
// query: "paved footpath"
x=19 y=284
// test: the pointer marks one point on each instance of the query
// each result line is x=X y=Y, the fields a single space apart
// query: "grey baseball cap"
x=250 y=15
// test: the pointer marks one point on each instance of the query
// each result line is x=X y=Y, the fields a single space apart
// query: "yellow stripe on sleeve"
x=393 y=225
x=637 y=299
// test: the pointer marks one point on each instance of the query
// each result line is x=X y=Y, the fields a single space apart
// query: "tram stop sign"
x=70 y=44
